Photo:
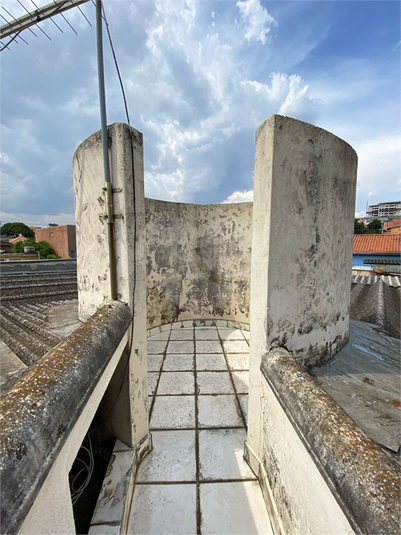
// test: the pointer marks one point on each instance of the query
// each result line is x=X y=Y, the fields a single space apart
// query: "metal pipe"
x=108 y=191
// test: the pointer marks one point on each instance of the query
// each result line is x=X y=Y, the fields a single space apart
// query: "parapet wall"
x=198 y=261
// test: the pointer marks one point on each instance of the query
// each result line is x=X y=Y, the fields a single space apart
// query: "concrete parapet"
x=311 y=448
x=303 y=217
x=40 y=411
x=94 y=264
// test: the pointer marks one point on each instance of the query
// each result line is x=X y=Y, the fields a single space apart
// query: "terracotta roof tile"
x=393 y=223
x=15 y=240
x=377 y=243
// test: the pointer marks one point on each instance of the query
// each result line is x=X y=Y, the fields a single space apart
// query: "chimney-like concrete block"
x=303 y=217
x=126 y=398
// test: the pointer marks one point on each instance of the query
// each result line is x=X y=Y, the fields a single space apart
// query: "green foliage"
x=19 y=246
x=46 y=251
x=359 y=227
x=375 y=226
x=16 y=228
x=53 y=256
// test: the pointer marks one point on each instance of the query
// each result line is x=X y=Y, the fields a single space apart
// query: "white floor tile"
x=204 y=346
x=247 y=335
x=238 y=361
x=218 y=411
x=230 y=334
x=152 y=382
x=211 y=362
x=156 y=347
x=154 y=363
x=236 y=346
x=221 y=455
x=104 y=529
x=176 y=383
x=233 y=508
x=214 y=383
x=241 y=381
x=180 y=346
x=160 y=336
x=163 y=510
x=206 y=334
x=173 y=412
x=182 y=334
x=172 y=458
x=176 y=363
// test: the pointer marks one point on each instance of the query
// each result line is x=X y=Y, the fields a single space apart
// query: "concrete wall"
x=198 y=261
x=38 y=266
x=303 y=222
x=319 y=472
x=93 y=261
x=61 y=238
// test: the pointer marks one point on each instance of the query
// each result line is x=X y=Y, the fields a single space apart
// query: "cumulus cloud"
x=239 y=196
x=257 y=20
x=198 y=84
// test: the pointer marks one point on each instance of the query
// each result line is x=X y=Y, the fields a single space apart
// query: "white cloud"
x=258 y=21
x=38 y=221
x=361 y=214
x=239 y=196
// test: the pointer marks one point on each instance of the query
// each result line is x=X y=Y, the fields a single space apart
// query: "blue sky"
x=200 y=76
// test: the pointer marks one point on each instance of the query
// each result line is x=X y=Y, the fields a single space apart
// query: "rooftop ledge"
x=364 y=480
x=38 y=412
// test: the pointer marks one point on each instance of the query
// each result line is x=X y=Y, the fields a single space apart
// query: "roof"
x=377 y=243
x=15 y=240
x=390 y=224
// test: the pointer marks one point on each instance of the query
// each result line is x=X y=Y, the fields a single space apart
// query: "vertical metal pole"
x=105 y=142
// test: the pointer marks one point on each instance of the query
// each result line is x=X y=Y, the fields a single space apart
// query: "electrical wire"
x=116 y=64
x=76 y=493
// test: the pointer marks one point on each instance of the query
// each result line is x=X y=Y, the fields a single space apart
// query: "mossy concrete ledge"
x=363 y=480
x=39 y=411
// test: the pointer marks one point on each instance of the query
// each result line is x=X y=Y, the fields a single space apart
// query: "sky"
x=200 y=76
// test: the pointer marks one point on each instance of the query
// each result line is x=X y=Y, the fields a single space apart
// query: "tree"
x=359 y=227
x=375 y=226
x=17 y=228
x=46 y=251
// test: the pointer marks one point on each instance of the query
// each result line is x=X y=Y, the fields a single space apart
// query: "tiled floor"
x=195 y=480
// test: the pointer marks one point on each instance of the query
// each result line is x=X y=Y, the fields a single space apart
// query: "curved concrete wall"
x=198 y=261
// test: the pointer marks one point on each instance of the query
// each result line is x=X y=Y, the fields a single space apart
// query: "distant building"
x=375 y=247
x=16 y=240
x=384 y=210
x=392 y=227
x=61 y=238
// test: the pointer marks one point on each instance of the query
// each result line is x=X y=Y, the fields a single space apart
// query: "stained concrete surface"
x=365 y=380
x=11 y=367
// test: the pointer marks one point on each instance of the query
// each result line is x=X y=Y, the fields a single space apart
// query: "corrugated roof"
x=377 y=243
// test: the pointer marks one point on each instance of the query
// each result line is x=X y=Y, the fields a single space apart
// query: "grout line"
x=198 y=504
x=206 y=481
x=160 y=374
x=239 y=408
x=199 y=428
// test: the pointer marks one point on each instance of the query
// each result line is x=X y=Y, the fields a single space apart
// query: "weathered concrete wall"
x=47 y=412
x=303 y=217
x=93 y=273
x=198 y=261
x=311 y=449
